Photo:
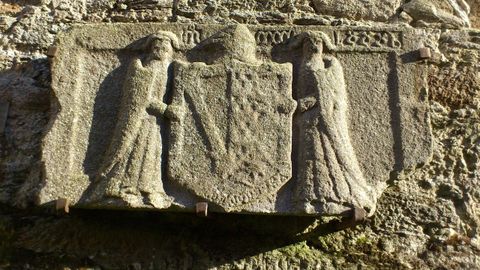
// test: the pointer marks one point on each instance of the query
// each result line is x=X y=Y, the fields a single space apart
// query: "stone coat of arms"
x=233 y=141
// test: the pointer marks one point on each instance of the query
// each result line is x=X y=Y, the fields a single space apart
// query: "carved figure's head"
x=160 y=45
x=241 y=44
x=312 y=42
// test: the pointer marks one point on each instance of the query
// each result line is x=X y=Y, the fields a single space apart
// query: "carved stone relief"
x=329 y=174
x=134 y=156
x=253 y=119
x=238 y=125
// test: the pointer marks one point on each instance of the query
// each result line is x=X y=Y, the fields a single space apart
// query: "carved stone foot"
x=362 y=198
x=159 y=200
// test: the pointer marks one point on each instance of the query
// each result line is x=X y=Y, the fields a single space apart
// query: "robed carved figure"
x=329 y=177
x=132 y=165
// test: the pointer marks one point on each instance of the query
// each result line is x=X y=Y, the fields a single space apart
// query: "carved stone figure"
x=233 y=144
x=132 y=165
x=329 y=177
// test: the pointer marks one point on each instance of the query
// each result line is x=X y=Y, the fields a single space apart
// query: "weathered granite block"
x=255 y=119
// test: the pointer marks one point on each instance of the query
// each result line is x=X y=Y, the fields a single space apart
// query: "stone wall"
x=428 y=218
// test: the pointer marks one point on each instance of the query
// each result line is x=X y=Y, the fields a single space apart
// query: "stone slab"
x=297 y=120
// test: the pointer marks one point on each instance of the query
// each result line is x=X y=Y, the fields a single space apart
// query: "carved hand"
x=157 y=108
x=174 y=113
x=306 y=103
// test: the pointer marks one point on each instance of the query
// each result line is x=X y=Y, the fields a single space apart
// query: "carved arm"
x=174 y=113
x=157 y=108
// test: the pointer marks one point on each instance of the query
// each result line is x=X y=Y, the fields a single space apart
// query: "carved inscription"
x=273 y=37
x=369 y=39
x=191 y=36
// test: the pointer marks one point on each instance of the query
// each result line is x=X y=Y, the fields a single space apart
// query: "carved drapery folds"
x=329 y=175
x=212 y=114
x=133 y=159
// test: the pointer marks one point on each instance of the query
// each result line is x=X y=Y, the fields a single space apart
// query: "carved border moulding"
x=296 y=120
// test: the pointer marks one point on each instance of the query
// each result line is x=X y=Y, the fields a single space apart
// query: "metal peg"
x=62 y=205
x=425 y=53
x=201 y=209
x=357 y=216
x=52 y=51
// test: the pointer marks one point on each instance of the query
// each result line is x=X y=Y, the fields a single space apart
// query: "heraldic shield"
x=232 y=144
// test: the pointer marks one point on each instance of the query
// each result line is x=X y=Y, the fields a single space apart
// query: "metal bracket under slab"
x=201 y=209
x=52 y=51
x=62 y=205
x=358 y=215
x=425 y=53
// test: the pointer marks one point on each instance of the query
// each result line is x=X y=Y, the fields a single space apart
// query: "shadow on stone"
x=118 y=239
x=31 y=112
x=104 y=117
x=395 y=113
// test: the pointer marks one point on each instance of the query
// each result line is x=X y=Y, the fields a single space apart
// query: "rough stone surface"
x=425 y=12
x=376 y=10
x=427 y=218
